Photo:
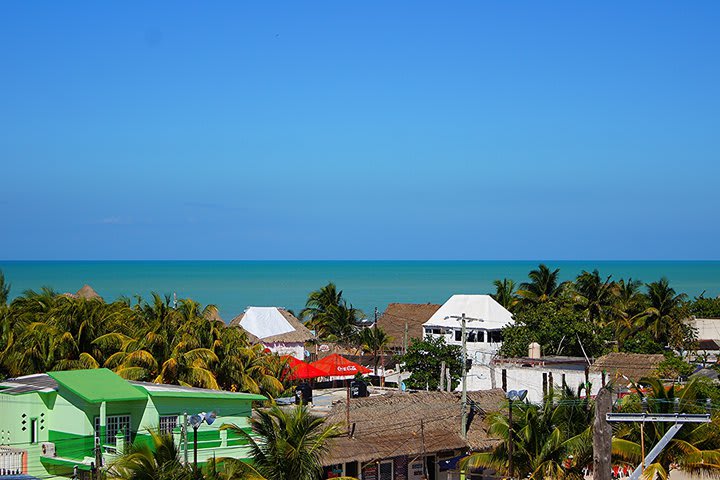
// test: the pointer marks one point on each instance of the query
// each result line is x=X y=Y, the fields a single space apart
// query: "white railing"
x=11 y=461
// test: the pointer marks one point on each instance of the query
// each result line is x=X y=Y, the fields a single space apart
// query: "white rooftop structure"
x=484 y=337
x=493 y=316
x=265 y=322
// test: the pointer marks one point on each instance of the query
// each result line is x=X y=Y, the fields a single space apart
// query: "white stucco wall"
x=528 y=378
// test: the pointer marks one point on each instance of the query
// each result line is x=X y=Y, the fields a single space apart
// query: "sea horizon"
x=233 y=285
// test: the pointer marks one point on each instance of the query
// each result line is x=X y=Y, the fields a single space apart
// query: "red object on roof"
x=338 y=366
x=300 y=370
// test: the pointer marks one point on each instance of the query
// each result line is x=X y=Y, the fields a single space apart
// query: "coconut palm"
x=4 y=289
x=664 y=314
x=374 y=340
x=552 y=440
x=287 y=445
x=505 y=293
x=320 y=300
x=543 y=285
x=594 y=296
x=628 y=305
x=157 y=460
x=694 y=449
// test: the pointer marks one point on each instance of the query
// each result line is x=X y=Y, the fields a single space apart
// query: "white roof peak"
x=491 y=314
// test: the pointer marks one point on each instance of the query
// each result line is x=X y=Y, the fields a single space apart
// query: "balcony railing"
x=11 y=461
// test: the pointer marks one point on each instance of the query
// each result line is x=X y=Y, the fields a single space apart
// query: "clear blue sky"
x=360 y=130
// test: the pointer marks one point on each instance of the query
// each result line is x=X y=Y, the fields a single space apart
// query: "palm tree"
x=157 y=460
x=374 y=340
x=594 y=296
x=4 y=289
x=287 y=445
x=505 y=293
x=338 y=323
x=543 y=285
x=319 y=301
x=694 y=449
x=664 y=314
x=552 y=440
x=629 y=303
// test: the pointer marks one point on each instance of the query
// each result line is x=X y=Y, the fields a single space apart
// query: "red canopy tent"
x=300 y=370
x=337 y=366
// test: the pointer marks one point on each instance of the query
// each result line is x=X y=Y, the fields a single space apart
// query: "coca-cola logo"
x=349 y=368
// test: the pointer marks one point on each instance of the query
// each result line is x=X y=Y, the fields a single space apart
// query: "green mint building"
x=50 y=423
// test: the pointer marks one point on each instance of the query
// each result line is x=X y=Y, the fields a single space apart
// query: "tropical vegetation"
x=149 y=340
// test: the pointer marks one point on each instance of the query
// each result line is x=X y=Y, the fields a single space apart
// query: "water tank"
x=358 y=389
x=303 y=393
x=534 y=350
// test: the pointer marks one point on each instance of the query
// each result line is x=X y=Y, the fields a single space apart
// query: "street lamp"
x=512 y=396
x=195 y=422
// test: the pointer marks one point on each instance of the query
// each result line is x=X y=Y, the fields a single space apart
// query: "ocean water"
x=234 y=285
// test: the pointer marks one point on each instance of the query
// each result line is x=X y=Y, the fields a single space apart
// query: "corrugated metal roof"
x=98 y=385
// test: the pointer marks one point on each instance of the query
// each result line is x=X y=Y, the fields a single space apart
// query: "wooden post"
x=504 y=380
x=551 y=387
x=347 y=409
x=545 y=390
x=602 y=437
x=442 y=376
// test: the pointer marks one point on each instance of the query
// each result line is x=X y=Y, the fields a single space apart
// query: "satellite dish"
x=210 y=418
x=195 y=420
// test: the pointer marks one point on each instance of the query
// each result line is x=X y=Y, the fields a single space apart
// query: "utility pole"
x=184 y=437
x=511 y=443
x=602 y=436
x=463 y=325
x=405 y=339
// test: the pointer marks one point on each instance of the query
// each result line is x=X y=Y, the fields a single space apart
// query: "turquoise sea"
x=234 y=285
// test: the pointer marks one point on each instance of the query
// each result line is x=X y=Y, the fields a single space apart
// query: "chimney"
x=534 y=350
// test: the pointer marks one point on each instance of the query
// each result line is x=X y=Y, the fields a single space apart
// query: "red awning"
x=337 y=366
x=300 y=370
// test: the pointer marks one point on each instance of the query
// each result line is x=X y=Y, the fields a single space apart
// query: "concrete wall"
x=480 y=377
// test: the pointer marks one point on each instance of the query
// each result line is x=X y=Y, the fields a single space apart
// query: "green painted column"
x=103 y=422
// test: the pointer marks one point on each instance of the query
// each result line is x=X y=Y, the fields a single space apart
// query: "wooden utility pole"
x=602 y=436
x=442 y=376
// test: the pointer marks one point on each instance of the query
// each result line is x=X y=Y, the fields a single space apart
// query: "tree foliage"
x=424 y=360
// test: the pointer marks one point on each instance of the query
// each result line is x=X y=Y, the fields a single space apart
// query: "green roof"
x=160 y=390
x=98 y=385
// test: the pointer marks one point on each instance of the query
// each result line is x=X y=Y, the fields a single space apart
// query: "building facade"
x=65 y=424
x=485 y=319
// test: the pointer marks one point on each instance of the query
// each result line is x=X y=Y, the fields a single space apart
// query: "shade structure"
x=338 y=366
x=300 y=370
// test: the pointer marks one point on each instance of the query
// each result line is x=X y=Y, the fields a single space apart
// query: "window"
x=458 y=335
x=351 y=469
x=385 y=471
x=168 y=423
x=472 y=336
x=114 y=425
x=434 y=331
x=33 y=430
x=495 y=336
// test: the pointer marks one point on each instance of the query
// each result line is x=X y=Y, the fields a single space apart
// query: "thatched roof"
x=390 y=425
x=300 y=333
x=396 y=315
x=634 y=366
x=86 y=292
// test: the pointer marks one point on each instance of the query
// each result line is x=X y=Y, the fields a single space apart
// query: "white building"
x=276 y=328
x=485 y=321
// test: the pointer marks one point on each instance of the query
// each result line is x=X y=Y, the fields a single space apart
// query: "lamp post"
x=195 y=422
x=512 y=395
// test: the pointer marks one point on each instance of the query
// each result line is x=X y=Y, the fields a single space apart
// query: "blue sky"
x=359 y=130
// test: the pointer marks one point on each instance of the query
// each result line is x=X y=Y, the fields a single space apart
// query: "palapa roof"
x=396 y=315
x=298 y=333
x=491 y=314
x=390 y=425
x=86 y=292
x=634 y=366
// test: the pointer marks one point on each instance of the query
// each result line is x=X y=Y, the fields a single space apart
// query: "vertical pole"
x=442 y=376
x=642 y=446
x=185 y=435
x=504 y=379
x=98 y=457
x=195 y=429
x=347 y=408
x=602 y=436
x=422 y=437
x=405 y=338
x=464 y=379
x=545 y=391
x=448 y=380
x=564 y=382
x=551 y=387
x=511 y=440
